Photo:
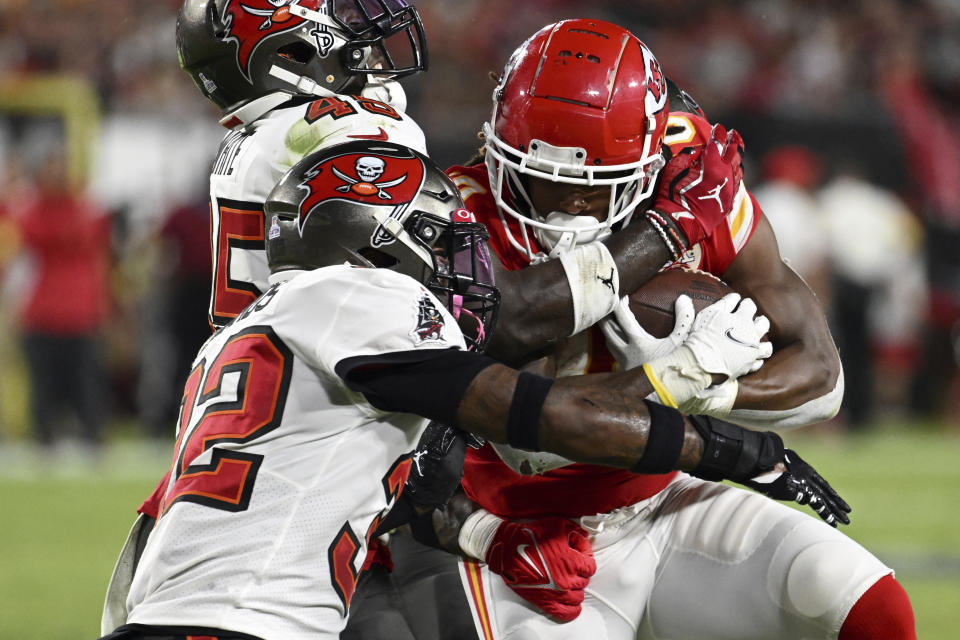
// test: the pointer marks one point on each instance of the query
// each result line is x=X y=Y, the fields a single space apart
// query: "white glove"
x=716 y=400
x=726 y=337
x=630 y=343
x=725 y=340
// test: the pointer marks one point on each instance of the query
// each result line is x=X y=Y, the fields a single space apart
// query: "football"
x=652 y=304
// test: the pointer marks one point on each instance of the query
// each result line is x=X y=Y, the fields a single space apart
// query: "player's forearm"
x=805 y=365
x=791 y=377
x=605 y=421
x=538 y=304
x=639 y=252
x=535 y=311
x=598 y=419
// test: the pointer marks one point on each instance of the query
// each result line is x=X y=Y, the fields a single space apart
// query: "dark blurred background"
x=849 y=110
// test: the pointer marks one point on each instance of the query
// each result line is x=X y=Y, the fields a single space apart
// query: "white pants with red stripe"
x=697 y=561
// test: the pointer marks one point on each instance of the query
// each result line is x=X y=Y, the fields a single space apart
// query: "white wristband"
x=477 y=533
x=594 y=283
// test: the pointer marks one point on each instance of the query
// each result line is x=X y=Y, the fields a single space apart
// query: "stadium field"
x=63 y=522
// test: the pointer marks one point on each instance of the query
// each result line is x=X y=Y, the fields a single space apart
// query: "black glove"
x=802 y=484
x=437 y=465
x=435 y=472
x=751 y=458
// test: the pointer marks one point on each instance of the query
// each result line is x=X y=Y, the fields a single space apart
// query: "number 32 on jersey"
x=237 y=396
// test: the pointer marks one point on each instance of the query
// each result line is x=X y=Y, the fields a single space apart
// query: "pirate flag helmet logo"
x=250 y=22
x=384 y=205
x=237 y=51
x=387 y=176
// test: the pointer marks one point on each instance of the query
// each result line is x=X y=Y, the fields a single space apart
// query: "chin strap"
x=458 y=310
x=254 y=109
x=377 y=88
x=302 y=84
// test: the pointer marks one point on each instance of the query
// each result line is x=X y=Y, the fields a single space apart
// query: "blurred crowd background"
x=850 y=112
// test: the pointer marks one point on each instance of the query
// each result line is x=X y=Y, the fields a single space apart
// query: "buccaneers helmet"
x=581 y=102
x=379 y=204
x=239 y=50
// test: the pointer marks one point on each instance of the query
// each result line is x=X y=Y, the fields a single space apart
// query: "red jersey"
x=581 y=489
x=70 y=240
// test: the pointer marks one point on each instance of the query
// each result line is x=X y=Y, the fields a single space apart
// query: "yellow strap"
x=662 y=392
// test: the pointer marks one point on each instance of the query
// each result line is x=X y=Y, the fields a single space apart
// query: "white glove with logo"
x=726 y=337
x=725 y=341
x=630 y=343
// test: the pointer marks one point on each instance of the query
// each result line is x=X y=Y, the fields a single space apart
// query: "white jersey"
x=253 y=158
x=281 y=471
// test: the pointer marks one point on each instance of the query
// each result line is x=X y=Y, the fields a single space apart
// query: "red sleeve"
x=151 y=506
x=720 y=248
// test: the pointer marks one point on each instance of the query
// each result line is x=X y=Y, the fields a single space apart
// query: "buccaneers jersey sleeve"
x=251 y=161
x=377 y=312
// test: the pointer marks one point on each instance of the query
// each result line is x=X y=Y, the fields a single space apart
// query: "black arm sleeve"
x=428 y=383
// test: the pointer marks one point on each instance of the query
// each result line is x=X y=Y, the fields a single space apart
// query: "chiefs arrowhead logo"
x=250 y=22
x=656 y=83
x=380 y=178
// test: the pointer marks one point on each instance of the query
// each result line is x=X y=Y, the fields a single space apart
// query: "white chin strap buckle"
x=309 y=14
x=303 y=84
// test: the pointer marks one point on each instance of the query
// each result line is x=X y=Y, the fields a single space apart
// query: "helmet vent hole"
x=299 y=52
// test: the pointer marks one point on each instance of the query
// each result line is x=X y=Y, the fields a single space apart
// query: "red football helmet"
x=581 y=102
